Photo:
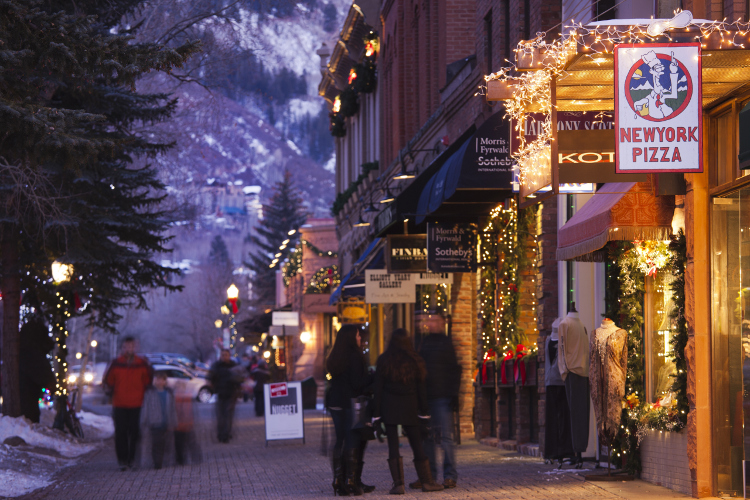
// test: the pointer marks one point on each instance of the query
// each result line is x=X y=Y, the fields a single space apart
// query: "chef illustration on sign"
x=648 y=96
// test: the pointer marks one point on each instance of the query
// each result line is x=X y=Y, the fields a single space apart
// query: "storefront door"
x=730 y=317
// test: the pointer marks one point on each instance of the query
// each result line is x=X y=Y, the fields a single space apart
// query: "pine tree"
x=283 y=214
x=69 y=189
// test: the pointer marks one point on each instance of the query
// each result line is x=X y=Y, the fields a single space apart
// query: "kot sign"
x=658 y=108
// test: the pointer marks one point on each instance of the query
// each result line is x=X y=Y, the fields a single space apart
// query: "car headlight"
x=72 y=379
x=88 y=377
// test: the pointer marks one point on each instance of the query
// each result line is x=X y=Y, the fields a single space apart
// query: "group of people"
x=141 y=400
x=417 y=391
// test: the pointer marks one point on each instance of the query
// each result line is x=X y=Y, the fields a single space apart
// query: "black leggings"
x=412 y=434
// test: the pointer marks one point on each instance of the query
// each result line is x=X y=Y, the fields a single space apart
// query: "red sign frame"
x=699 y=94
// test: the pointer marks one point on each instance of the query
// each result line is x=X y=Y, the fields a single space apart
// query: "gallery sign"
x=450 y=248
x=283 y=411
x=658 y=108
x=382 y=287
x=407 y=253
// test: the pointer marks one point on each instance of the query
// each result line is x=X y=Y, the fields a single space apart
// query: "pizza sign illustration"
x=658 y=86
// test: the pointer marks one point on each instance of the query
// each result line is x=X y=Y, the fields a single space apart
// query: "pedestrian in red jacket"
x=127 y=377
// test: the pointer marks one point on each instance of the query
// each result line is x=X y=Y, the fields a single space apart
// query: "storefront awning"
x=476 y=177
x=354 y=282
x=618 y=211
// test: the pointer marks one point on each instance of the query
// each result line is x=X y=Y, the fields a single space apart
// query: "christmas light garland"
x=324 y=280
x=317 y=251
x=532 y=89
x=629 y=265
x=503 y=247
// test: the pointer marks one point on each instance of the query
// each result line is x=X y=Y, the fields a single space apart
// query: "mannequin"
x=609 y=366
x=574 y=370
x=557 y=441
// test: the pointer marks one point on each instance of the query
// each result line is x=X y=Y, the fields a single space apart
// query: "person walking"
x=127 y=378
x=159 y=416
x=401 y=399
x=184 y=434
x=261 y=375
x=349 y=377
x=443 y=383
x=225 y=383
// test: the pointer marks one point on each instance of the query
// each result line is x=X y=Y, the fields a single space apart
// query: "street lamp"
x=233 y=294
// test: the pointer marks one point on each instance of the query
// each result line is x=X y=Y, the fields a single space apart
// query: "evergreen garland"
x=337 y=125
x=503 y=254
x=325 y=280
x=349 y=102
x=343 y=197
x=680 y=338
x=292 y=266
x=317 y=251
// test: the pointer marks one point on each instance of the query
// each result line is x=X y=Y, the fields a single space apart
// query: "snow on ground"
x=14 y=484
x=43 y=437
x=96 y=426
x=32 y=464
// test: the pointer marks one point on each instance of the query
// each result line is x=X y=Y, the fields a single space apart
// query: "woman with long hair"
x=401 y=399
x=347 y=368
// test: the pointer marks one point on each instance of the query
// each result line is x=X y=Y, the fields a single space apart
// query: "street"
x=245 y=468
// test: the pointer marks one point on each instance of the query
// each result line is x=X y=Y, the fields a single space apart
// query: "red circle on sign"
x=676 y=112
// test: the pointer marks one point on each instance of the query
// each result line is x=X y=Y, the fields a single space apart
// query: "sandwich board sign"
x=658 y=108
x=283 y=411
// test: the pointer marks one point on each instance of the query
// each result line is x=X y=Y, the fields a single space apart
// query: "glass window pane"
x=659 y=332
x=725 y=150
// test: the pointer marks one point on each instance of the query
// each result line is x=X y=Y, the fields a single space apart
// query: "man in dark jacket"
x=225 y=379
x=127 y=377
x=443 y=382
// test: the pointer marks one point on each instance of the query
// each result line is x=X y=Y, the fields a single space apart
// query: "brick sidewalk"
x=245 y=468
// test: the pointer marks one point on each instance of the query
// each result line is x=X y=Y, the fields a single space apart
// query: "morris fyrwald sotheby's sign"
x=658 y=107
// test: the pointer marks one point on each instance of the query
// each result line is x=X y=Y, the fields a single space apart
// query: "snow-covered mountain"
x=261 y=114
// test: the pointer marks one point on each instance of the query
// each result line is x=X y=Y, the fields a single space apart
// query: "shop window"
x=432 y=310
x=730 y=335
x=725 y=149
x=659 y=329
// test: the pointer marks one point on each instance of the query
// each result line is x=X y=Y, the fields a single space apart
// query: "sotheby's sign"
x=450 y=248
x=658 y=107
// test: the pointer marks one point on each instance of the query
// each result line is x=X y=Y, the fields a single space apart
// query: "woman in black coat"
x=401 y=399
x=349 y=378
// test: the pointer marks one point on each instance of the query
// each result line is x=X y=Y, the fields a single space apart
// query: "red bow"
x=508 y=357
x=234 y=305
x=519 y=366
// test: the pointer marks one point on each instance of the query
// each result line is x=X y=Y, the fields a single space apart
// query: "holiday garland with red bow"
x=503 y=247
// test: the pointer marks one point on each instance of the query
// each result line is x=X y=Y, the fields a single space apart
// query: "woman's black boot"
x=397 y=473
x=339 y=480
x=352 y=486
x=360 y=465
x=425 y=476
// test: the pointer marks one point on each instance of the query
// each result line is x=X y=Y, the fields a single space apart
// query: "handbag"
x=361 y=412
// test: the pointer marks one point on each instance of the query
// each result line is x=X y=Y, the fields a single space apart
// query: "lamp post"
x=61 y=275
x=233 y=295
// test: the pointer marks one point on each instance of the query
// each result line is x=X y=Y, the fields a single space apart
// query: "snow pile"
x=15 y=484
x=96 y=426
x=43 y=437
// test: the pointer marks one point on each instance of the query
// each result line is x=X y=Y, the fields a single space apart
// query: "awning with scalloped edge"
x=625 y=211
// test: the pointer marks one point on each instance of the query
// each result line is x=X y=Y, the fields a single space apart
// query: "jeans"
x=224 y=417
x=342 y=425
x=441 y=435
x=127 y=432
x=158 y=445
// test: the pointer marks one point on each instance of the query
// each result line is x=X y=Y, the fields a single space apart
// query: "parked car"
x=176 y=359
x=198 y=386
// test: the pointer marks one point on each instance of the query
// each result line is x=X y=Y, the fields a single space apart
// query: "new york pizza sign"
x=658 y=108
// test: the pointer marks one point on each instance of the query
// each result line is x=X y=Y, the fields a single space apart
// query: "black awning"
x=353 y=283
x=475 y=178
x=390 y=220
